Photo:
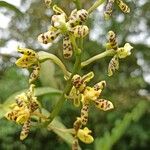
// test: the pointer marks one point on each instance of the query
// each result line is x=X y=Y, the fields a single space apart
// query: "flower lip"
x=125 y=51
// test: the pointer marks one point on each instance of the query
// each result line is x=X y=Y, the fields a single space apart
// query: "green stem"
x=68 y=87
x=97 y=57
x=78 y=4
x=43 y=56
x=95 y=5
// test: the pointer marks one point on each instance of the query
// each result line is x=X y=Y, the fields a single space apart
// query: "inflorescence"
x=70 y=28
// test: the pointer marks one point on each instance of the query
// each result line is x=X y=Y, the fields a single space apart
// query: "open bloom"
x=80 y=92
x=120 y=52
x=61 y=24
x=29 y=59
x=21 y=111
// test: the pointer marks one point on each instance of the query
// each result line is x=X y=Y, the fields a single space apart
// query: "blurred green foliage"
x=123 y=89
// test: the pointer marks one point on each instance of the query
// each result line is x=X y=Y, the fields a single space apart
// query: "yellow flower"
x=84 y=135
x=26 y=104
x=66 y=26
x=28 y=58
x=91 y=93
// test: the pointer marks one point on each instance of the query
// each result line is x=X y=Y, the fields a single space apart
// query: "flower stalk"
x=95 y=5
x=43 y=56
x=97 y=57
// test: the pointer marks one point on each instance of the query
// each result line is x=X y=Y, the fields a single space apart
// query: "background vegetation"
x=127 y=126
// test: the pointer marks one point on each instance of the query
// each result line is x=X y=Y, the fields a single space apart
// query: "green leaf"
x=3 y=111
x=11 y=7
x=38 y=92
x=47 y=74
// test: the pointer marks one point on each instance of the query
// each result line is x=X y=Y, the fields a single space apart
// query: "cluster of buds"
x=23 y=109
x=80 y=92
x=120 y=52
x=109 y=7
x=67 y=26
x=29 y=59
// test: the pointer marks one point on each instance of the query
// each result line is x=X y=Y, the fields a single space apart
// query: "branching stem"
x=97 y=57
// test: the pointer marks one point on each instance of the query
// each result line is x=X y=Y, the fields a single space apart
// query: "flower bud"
x=103 y=104
x=80 y=31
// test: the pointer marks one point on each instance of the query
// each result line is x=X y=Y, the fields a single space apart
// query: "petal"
x=28 y=52
x=124 y=7
x=113 y=65
x=26 y=61
x=25 y=130
x=103 y=104
x=112 y=40
x=80 y=31
x=67 y=47
x=100 y=85
x=88 y=77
